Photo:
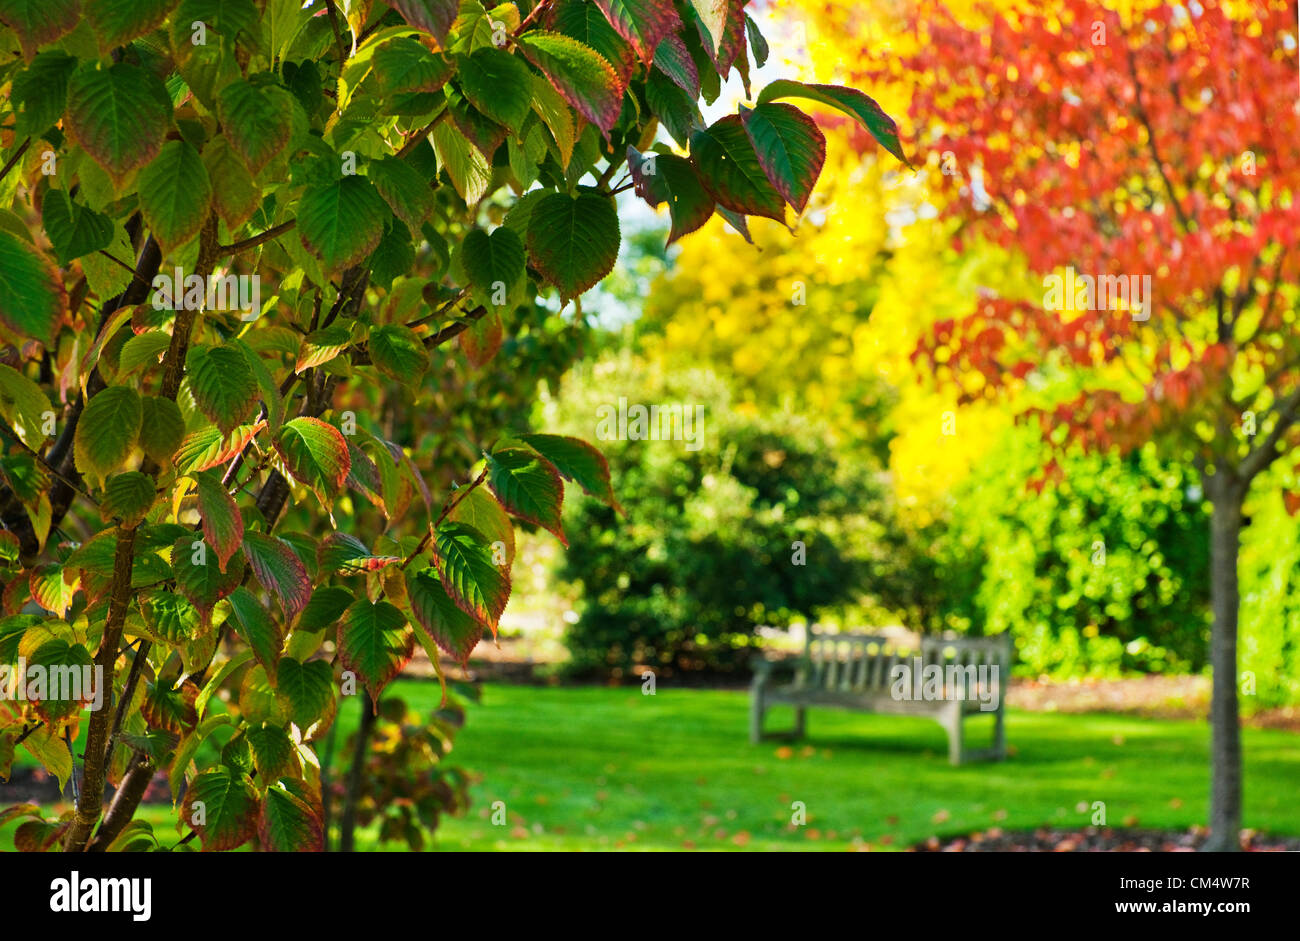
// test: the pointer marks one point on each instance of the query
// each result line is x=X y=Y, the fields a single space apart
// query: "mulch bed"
x=1096 y=840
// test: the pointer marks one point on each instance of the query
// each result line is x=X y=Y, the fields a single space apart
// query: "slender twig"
x=275 y=232
x=131 y=268
x=414 y=141
x=10 y=433
x=460 y=296
x=132 y=680
x=18 y=154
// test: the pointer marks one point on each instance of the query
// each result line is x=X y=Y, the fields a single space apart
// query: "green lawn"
x=601 y=768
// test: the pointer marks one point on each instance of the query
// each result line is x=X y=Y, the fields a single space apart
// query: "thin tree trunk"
x=1225 y=728
x=348 y=820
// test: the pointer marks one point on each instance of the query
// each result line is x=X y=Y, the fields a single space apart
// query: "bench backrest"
x=865 y=663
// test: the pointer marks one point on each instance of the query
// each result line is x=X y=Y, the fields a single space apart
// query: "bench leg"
x=952 y=724
x=1000 y=734
x=799 y=724
x=756 y=711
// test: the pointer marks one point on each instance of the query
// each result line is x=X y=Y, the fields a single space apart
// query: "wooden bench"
x=857 y=672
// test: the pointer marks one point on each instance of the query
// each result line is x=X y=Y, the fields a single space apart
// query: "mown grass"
x=606 y=768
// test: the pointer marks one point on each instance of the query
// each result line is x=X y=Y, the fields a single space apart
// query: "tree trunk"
x=1225 y=727
x=348 y=821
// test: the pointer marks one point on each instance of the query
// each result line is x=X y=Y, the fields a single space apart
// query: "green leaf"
x=117 y=22
x=468 y=169
x=222 y=384
x=212 y=685
x=40 y=92
x=162 y=428
x=170 y=618
x=221 y=804
x=429 y=16
x=51 y=752
x=399 y=353
x=51 y=589
x=580 y=74
x=142 y=350
x=175 y=194
x=32 y=298
x=757 y=44
x=257 y=120
x=255 y=625
x=555 y=114
x=321 y=346
x=731 y=171
x=675 y=182
x=407 y=193
x=279 y=570
x=315 y=454
x=497 y=84
x=344 y=554
x=341 y=222
x=306 y=688
x=643 y=23
x=274 y=754
x=107 y=431
x=234 y=194
x=59 y=658
x=74 y=229
x=848 y=100
x=479 y=510
x=288 y=824
x=463 y=558
x=223 y=527
x=573 y=240
x=38 y=22
x=578 y=461
x=23 y=405
x=790 y=149
x=439 y=617
x=405 y=66
x=325 y=607
x=494 y=263
x=128 y=497
x=119 y=114
x=374 y=643
x=529 y=487
x=200 y=577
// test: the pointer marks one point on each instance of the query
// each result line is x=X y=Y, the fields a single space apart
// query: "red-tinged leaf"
x=37 y=22
x=674 y=181
x=200 y=577
x=479 y=510
x=573 y=240
x=440 y=618
x=119 y=114
x=171 y=619
x=375 y=643
x=848 y=100
x=223 y=527
x=32 y=296
x=221 y=804
x=464 y=561
x=37 y=836
x=429 y=16
x=790 y=149
x=279 y=570
x=117 y=22
x=50 y=590
x=208 y=447
x=730 y=170
x=315 y=454
x=321 y=346
x=58 y=658
x=578 y=461
x=529 y=487
x=580 y=74
x=344 y=554
x=643 y=23
x=483 y=339
x=288 y=824
x=170 y=709
x=674 y=60
x=1291 y=499
x=257 y=121
x=583 y=21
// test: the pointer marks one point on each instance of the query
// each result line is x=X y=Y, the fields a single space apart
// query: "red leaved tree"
x=1148 y=166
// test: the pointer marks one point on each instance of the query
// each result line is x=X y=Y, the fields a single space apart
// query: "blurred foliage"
x=706 y=553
